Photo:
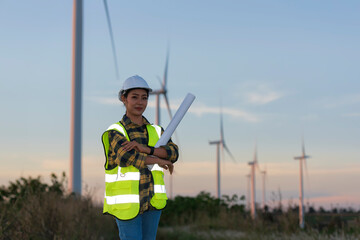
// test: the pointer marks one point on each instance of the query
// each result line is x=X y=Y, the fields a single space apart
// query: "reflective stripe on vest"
x=120 y=199
x=122 y=183
x=109 y=178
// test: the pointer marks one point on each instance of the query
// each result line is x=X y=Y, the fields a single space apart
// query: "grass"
x=189 y=233
x=31 y=209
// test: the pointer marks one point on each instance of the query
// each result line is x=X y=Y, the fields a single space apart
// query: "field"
x=31 y=209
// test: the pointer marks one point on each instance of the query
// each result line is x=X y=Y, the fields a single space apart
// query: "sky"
x=280 y=70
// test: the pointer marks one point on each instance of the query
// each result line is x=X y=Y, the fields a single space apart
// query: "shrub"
x=31 y=209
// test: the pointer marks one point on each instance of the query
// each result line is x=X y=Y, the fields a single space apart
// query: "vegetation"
x=32 y=209
x=206 y=217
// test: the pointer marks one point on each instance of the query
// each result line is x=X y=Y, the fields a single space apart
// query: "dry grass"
x=30 y=209
x=191 y=233
x=48 y=216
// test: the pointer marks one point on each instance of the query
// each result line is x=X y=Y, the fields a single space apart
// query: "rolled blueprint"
x=180 y=113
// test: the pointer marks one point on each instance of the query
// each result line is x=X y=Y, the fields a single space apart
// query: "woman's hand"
x=134 y=145
x=167 y=165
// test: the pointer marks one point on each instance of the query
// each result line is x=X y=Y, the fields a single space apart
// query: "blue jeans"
x=142 y=227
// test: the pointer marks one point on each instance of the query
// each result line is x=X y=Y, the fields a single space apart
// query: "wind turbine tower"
x=75 y=135
x=263 y=188
x=254 y=164
x=302 y=160
x=220 y=146
x=248 y=191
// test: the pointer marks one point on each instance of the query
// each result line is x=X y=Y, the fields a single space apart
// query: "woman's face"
x=136 y=102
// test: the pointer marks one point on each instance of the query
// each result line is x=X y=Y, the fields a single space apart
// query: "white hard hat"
x=134 y=82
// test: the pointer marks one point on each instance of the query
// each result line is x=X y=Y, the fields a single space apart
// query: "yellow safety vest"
x=122 y=198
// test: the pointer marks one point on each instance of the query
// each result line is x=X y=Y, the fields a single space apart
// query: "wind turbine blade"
x=266 y=176
x=306 y=172
x=111 y=38
x=166 y=71
x=221 y=126
x=228 y=151
x=256 y=163
x=159 y=79
x=168 y=105
x=303 y=146
x=222 y=151
x=257 y=166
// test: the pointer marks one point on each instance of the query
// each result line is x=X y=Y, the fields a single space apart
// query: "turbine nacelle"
x=302 y=157
x=160 y=91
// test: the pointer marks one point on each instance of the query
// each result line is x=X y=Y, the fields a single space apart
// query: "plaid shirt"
x=118 y=156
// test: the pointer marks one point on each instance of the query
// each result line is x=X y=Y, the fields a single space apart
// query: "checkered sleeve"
x=118 y=156
x=172 y=150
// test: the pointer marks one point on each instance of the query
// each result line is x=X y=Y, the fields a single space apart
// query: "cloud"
x=197 y=108
x=236 y=113
x=263 y=97
x=258 y=93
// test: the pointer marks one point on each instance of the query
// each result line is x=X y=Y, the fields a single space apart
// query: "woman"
x=135 y=190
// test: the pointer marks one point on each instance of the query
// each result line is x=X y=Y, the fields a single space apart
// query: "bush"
x=31 y=209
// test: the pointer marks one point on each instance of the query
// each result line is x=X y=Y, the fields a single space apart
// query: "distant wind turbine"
x=76 y=103
x=302 y=160
x=248 y=176
x=220 y=146
x=263 y=188
x=254 y=165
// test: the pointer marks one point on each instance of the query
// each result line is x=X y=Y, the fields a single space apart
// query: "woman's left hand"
x=134 y=145
x=168 y=166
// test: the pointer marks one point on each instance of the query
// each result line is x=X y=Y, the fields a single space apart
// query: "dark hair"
x=126 y=92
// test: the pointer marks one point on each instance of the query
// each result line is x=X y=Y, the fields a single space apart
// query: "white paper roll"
x=180 y=113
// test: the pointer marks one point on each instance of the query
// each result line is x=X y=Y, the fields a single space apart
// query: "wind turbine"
x=220 y=144
x=76 y=102
x=254 y=164
x=163 y=91
x=302 y=160
x=263 y=188
x=248 y=190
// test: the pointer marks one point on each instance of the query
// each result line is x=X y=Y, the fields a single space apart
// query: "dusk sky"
x=281 y=70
